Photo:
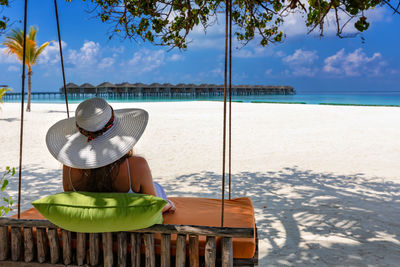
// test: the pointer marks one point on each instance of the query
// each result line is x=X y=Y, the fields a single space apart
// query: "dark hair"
x=101 y=179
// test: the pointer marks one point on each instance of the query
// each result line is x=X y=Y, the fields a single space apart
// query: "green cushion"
x=89 y=212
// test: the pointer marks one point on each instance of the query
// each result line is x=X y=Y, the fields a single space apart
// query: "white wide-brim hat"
x=70 y=146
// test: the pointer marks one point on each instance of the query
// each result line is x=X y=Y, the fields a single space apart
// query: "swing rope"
x=61 y=57
x=230 y=96
x=23 y=95
x=22 y=110
x=228 y=10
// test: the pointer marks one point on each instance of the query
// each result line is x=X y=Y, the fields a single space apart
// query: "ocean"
x=370 y=98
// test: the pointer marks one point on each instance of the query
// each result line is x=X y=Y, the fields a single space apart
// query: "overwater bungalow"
x=125 y=88
x=190 y=89
x=167 y=89
x=71 y=88
x=88 y=88
x=105 y=88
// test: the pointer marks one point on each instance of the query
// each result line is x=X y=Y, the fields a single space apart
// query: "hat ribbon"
x=93 y=135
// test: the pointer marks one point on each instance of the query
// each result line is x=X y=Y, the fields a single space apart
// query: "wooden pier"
x=127 y=90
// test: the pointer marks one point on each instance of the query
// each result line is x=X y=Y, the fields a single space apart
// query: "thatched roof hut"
x=88 y=88
x=106 y=85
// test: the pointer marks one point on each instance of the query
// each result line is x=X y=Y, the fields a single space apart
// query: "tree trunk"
x=28 y=105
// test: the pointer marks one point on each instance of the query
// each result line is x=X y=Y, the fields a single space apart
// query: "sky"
x=307 y=62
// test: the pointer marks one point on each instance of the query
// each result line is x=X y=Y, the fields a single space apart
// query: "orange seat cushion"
x=239 y=212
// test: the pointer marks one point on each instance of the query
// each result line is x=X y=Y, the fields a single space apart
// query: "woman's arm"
x=142 y=174
x=66 y=182
x=146 y=181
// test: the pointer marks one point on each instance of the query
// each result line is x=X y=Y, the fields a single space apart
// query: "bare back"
x=139 y=171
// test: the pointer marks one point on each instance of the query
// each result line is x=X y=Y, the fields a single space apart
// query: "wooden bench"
x=25 y=242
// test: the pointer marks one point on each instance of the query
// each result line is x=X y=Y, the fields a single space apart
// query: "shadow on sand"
x=10 y=119
x=313 y=219
x=304 y=218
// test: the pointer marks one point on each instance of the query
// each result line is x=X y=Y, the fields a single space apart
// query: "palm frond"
x=3 y=91
x=14 y=43
x=39 y=51
x=32 y=33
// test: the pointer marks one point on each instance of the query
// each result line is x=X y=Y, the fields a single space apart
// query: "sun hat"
x=97 y=135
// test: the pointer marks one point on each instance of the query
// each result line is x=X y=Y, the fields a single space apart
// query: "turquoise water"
x=346 y=99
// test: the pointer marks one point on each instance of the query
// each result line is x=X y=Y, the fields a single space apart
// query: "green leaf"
x=4 y=185
x=361 y=24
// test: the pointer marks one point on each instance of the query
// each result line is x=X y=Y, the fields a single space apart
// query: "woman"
x=96 y=150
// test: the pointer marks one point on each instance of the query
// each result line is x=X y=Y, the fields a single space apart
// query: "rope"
x=61 y=57
x=230 y=96
x=224 y=127
x=22 y=111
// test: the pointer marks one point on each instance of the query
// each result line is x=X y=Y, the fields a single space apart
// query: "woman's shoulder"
x=138 y=160
x=139 y=164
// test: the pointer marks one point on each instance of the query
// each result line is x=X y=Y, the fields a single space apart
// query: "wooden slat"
x=67 y=246
x=94 y=249
x=194 y=250
x=165 y=250
x=158 y=228
x=41 y=244
x=149 y=249
x=28 y=244
x=136 y=240
x=198 y=230
x=210 y=251
x=5 y=243
x=227 y=252
x=180 y=251
x=31 y=264
x=80 y=248
x=54 y=245
x=25 y=222
x=16 y=243
x=122 y=248
x=108 y=249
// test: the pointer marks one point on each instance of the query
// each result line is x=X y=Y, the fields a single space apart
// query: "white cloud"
x=51 y=54
x=92 y=55
x=106 y=62
x=14 y=68
x=295 y=23
x=207 y=42
x=146 y=60
x=211 y=38
x=280 y=54
x=254 y=50
x=300 y=57
x=6 y=58
x=301 y=63
x=268 y=72
x=88 y=54
x=354 y=64
x=176 y=57
x=118 y=50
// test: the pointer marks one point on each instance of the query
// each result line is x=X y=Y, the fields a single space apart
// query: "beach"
x=324 y=180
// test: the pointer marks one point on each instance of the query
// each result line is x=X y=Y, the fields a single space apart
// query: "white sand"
x=325 y=180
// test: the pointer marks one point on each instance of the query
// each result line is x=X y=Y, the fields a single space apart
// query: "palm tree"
x=15 y=41
x=3 y=91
